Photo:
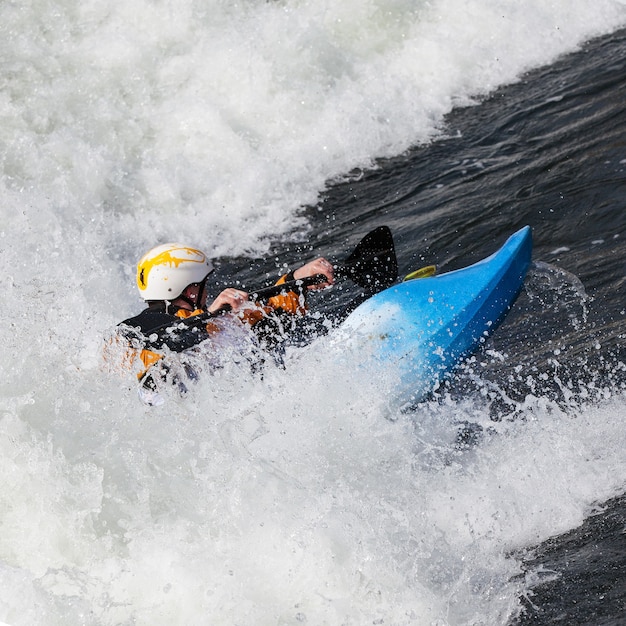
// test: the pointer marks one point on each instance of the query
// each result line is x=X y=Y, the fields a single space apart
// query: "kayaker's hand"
x=233 y=298
x=319 y=266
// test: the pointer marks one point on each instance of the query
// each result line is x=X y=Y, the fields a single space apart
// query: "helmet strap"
x=189 y=301
x=202 y=292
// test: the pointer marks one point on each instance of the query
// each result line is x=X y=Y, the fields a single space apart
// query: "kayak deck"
x=425 y=327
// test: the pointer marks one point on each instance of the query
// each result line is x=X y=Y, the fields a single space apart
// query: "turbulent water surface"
x=266 y=133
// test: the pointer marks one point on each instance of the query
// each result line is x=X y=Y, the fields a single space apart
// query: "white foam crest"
x=217 y=122
x=287 y=497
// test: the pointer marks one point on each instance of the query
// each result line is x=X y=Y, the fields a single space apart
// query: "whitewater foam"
x=273 y=500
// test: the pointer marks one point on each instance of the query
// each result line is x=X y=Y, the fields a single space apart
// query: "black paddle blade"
x=373 y=264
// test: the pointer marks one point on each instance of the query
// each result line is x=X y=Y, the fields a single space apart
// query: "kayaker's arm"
x=317 y=274
x=228 y=300
x=318 y=267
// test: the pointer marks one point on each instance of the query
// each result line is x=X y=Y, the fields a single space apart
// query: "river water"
x=267 y=133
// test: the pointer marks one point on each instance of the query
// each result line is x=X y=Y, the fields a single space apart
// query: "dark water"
x=590 y=563
x=549 y=151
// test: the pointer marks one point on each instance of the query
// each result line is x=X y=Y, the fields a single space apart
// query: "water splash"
x=558 y=291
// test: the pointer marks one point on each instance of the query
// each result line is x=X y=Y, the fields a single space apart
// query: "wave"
x=298 y=496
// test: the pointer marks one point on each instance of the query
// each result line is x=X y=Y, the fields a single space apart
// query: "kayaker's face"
x=196 y=293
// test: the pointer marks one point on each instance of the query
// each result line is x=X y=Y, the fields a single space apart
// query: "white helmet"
x=165 y=271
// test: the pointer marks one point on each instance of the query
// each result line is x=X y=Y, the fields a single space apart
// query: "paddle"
x=371 y=265
x=291 y=285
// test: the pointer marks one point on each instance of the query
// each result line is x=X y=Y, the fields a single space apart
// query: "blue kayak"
x=425 y=327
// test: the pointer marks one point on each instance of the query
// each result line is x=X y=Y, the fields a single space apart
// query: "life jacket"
x=162 y=327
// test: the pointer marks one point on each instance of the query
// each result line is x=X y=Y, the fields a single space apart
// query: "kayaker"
x=172 y=280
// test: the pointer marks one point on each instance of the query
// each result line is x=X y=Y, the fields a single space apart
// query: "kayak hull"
x=426 y=327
